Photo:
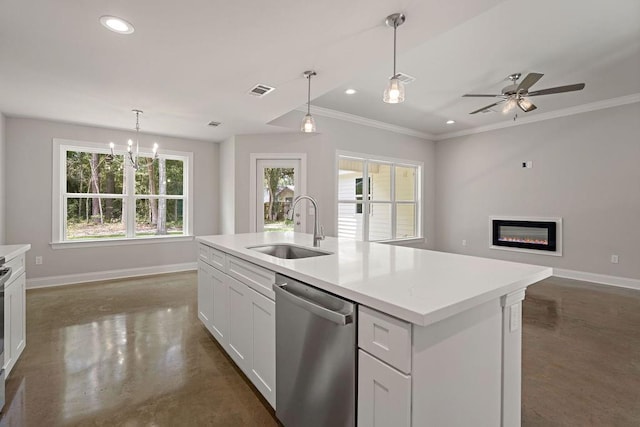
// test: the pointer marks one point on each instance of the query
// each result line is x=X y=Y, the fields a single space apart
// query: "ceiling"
x=194 y=61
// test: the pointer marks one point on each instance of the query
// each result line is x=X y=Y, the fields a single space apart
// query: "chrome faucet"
x=316 y=226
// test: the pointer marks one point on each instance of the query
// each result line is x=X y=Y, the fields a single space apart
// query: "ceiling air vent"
x=214 y=124
x=261 y=90
x=406 y=78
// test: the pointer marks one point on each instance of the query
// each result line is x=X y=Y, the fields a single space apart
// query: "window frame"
x=366 y=202
x=361 y=204
x=60 y=195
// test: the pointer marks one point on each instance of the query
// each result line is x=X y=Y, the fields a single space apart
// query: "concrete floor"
x=127 y=353
x=580 y=355
x=133 y=353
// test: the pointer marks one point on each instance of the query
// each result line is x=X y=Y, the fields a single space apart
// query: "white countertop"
x=415 y=285
x=12 y=251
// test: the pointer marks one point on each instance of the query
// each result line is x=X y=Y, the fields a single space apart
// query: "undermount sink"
x=287 y=251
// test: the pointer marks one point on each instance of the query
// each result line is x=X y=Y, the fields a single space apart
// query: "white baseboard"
x=70 y=279
x=602 y=279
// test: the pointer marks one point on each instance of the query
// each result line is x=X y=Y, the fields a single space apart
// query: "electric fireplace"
x=530 y=235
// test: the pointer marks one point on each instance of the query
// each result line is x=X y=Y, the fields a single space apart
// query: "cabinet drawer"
x=217 y=259
x=211 y=256
x=17 y=267
x=384 y=394
x=203 y=252
x=259 y=279
x=385 y=337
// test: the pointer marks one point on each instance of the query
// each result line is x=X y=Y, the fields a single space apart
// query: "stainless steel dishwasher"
x=315 y=356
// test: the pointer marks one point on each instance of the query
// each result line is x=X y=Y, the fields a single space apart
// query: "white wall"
x=585 y=170
x=321 y=163
x=227 y=186
x=28 y=200
x=3 y=178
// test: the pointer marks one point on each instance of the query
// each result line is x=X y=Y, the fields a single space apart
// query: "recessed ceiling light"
x=350 y=91
x=117 y=25
x=450 y=122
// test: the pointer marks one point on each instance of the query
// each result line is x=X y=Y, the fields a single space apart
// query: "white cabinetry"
x=263 y=344
x=411 y=375
x=220 y=319
x=239 y=304
x=205 y=294
x=235 y=303
x=384 y=394
x=14 y=314
x=212 y=301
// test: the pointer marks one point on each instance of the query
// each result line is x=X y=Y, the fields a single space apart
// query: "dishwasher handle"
x=309 y=305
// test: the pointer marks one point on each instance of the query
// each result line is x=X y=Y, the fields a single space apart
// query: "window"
x=393 y=202
x=102 y=197
x=359 y=194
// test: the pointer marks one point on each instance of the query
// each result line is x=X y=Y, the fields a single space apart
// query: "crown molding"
x=579 y=109
x=334 y=114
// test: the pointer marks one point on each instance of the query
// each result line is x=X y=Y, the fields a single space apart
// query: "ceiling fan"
x=517 y=94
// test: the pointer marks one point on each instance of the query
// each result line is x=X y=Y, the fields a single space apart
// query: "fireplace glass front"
x=539 y=235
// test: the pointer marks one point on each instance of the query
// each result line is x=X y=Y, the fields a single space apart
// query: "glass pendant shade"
x=308 y=124
x=394 y=92
x=509 y=105
x=526 y=105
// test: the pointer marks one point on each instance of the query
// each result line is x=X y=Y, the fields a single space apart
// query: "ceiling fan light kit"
x=518 y=94
x=394 y=92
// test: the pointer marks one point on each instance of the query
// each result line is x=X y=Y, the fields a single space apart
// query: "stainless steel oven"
x=5 y=273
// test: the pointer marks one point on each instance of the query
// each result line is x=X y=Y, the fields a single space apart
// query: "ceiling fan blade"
x=486 y=108
x=529 y=81
x=559 y=89
x=526 y=105
x=478 y=95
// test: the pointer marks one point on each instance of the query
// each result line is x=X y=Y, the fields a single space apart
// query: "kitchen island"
x=439 y=334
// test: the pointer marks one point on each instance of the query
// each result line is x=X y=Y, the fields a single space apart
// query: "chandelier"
x=134 y=157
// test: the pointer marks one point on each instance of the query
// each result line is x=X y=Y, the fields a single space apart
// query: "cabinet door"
x=8 y=291
x=18 y=319
x=15 y=322
x=263 y=355
x=239 y=332
x=219 y=319
x=384 y=394
x=205 y=294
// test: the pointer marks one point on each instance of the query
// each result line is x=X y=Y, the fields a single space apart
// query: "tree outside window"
x=104 y=198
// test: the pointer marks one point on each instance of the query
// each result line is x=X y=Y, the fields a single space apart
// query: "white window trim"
x=393 y=162
x=58 y=188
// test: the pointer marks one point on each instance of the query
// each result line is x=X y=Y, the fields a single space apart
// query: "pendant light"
x=133 y=158
x=308 y=124
x=394 y=93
